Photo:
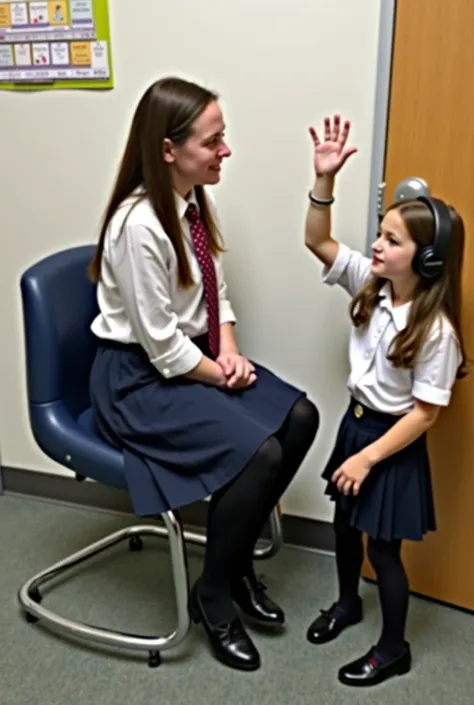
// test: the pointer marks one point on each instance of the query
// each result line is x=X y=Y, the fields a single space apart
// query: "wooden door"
x=431 y=135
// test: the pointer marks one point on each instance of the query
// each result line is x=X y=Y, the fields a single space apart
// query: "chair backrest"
x=59 y=304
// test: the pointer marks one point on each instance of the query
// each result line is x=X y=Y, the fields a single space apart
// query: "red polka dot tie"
x=208 y=271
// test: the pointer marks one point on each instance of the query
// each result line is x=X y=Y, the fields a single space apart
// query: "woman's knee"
x=305 y=417
x=270 y=455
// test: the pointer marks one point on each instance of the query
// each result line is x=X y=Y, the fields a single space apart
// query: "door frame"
x=381 y=112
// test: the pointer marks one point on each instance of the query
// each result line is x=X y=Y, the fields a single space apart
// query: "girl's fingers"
x=314 y=136
x=327 y=129
x=336 y=128
x=344 y=133
x=347 y=487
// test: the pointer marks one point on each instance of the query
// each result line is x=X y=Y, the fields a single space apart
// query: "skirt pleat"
x=396 y=499
x=182 y=440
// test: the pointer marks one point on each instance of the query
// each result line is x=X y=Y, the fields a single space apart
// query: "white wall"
x=278 y=70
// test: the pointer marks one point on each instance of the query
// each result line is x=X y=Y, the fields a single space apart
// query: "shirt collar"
x=399 y=314
x=183 y=203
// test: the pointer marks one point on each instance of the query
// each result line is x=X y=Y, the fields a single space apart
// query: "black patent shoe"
x=332 y=622
x=229 y=641
x=373 y=669
x=250 y=596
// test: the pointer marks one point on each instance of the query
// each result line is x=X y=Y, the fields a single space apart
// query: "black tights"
x=239 y=510
x=391 y=578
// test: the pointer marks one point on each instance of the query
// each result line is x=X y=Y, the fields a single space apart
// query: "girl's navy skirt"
x=181 y=439
x=396 y=499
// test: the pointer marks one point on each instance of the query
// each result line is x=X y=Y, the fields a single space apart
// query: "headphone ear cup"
x=429 y=260
x=426 y=264
x=416 y=263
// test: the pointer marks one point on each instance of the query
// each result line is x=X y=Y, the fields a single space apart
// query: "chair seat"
x=86 y=422
x=111 y=474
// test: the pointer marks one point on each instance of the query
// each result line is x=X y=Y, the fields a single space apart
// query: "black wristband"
x=320 y=201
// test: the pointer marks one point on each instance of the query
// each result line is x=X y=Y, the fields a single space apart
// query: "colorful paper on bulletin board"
x=55 y=44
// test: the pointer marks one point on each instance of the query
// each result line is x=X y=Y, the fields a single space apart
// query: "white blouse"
x=138 y=294
x=373 y=380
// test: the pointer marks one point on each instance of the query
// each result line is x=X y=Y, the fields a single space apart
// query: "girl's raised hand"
x=330 y=155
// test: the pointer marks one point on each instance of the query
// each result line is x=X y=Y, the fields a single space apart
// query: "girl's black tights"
x=385 y=557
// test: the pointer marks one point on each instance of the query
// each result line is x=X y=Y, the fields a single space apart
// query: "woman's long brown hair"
x=167 y=110
x=432 y=297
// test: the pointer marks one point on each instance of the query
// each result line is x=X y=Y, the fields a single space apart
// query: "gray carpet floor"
x=133 y=592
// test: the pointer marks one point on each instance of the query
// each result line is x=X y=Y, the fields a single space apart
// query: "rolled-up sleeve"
x=143 y=280
x=436 y=370
x=350 y=270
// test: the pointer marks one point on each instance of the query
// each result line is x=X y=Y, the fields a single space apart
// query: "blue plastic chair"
x=59 y=304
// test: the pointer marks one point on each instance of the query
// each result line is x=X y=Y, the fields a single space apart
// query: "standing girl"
x=406 y=351
x=169 y=385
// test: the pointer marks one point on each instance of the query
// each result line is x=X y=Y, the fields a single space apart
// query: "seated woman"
x=169 y=385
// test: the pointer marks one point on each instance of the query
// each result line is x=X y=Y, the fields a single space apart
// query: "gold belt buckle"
x=358 y=411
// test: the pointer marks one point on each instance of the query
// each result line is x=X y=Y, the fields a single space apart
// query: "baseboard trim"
x=304 y=533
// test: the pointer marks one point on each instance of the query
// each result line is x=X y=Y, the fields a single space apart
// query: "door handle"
x=411 y=187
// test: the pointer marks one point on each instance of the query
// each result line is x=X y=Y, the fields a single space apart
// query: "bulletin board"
x=55 y=44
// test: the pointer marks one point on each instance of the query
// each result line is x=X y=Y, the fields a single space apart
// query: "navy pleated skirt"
x=396 y=499
x=181 y=439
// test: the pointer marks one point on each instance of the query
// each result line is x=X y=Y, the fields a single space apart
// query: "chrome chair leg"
x=30 y=597
x=276 y=537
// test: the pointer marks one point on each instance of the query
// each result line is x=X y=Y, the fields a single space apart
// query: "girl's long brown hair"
x=432 y=297
x=167 y=109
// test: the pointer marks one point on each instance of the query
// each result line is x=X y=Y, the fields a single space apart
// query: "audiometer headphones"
x=429 y=260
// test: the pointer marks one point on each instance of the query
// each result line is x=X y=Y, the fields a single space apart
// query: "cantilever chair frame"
x=30 y=594
x=67 y=452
